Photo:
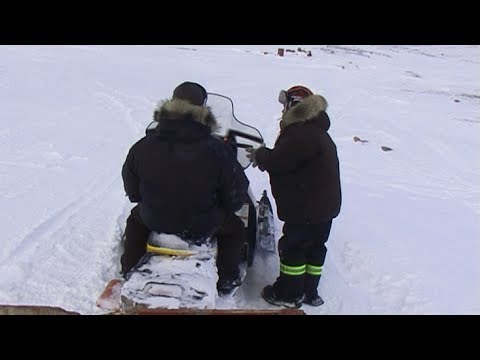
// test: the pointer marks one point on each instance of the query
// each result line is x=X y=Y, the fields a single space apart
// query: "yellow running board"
x=168 y=251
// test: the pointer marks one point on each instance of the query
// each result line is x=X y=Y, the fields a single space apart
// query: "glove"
x=251 y=156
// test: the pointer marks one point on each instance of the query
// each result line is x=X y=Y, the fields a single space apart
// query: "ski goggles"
x=283 y=97
x=295 y=96
x=288 y=100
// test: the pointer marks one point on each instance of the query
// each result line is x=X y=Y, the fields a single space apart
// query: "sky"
x=407 y=240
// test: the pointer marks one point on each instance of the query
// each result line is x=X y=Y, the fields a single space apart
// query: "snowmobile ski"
x=265 y=224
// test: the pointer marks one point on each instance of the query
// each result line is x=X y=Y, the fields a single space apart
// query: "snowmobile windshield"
x=243 y=134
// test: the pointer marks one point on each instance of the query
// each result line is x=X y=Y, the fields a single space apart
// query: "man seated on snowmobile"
x=187 y=182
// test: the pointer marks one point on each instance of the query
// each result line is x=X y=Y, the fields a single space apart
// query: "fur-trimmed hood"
x=307 y=109
x=180 y=109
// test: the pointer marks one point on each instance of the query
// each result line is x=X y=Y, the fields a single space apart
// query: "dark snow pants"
x=230 y=240
x=136 y=236
x=302 y=254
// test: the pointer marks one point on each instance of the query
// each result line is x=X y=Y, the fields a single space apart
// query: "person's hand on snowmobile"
x=251 y=154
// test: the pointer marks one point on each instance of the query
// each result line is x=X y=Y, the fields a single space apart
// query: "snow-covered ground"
x=407 y=240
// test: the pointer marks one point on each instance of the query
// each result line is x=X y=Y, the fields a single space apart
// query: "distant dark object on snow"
x=308 y=52
x=386 y=148
x=456 y=100
x=357 y=139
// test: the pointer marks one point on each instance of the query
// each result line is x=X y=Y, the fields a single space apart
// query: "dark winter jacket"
x=185 y=179
x=303 y=166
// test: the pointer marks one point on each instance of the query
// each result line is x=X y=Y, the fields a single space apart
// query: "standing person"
x=187 y=182
x=305 y=178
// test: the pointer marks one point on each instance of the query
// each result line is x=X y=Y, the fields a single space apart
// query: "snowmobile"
x=176 y=274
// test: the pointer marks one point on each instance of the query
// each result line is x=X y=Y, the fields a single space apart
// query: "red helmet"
x=294 y=95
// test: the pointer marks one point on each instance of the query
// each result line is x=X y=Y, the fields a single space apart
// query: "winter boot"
x=226 y=286
x=312 y=279
x=314 y=300
x=269 y=296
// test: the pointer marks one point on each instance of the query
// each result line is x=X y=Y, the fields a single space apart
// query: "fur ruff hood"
x=307 y=109
x=179 y=109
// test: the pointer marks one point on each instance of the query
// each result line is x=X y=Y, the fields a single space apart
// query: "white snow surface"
x=407 y=240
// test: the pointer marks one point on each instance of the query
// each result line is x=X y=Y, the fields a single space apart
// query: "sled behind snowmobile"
x=49 y=311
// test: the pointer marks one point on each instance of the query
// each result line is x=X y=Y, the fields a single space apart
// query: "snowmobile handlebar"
x=235 y=133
